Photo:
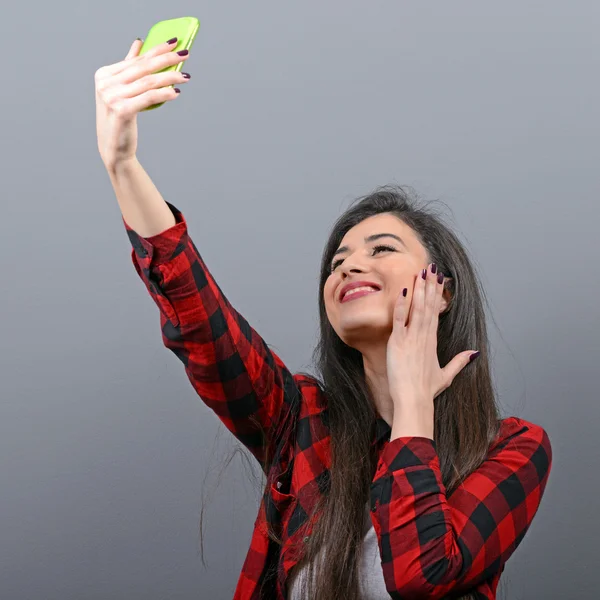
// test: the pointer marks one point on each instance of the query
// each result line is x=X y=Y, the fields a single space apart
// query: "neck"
x=374 y=362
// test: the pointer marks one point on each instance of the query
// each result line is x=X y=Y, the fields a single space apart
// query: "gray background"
x=291 y=112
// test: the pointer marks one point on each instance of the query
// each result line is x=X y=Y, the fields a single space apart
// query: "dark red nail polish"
x=424 y=274
x=183 y=52
x=404 y=292
x=433 y=268
x=186 y=75
x=177 y=90
x=172 y=40
x=474 y=356
x=440 y=277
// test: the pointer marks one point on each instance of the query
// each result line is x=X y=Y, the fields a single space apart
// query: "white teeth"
x=360 y=289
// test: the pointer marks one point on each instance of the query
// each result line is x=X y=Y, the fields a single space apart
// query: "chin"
x=364 y=326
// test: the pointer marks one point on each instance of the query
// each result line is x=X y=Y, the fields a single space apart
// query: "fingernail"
x=404 y=292
x=440 y=277
x=177 y=90
x=424 y=273
x=433 y=268
x=183 y=52
x=172 y=40
x=474 y=356
x=139 y=39
x=186 y=75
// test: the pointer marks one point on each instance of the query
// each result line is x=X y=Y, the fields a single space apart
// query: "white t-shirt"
x=371 y=573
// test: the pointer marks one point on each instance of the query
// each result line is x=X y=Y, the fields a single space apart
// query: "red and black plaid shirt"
x=432 y=544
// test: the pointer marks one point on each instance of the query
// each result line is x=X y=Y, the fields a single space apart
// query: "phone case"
x=183 y=28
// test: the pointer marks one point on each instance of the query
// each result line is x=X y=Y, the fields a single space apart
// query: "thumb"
x=134 y=49
x=457 y=364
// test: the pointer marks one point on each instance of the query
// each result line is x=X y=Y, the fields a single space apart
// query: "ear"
x=446 y=297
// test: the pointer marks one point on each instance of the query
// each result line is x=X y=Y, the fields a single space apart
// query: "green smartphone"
x=183 y=28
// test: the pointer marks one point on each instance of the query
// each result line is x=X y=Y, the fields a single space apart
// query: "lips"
x=355 y=284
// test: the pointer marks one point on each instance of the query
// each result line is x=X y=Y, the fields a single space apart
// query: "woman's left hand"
x=414 y=373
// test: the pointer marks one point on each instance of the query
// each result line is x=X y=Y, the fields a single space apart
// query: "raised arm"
x=227 y=362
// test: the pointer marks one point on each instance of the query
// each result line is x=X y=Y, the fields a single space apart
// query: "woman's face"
x=381 y=251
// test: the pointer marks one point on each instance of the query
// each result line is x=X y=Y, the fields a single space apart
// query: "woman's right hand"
x=127 y=87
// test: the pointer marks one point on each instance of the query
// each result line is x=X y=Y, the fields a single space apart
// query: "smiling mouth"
x=359 y=293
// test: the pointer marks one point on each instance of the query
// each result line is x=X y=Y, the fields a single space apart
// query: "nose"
x=348 y=271
x=351 y=265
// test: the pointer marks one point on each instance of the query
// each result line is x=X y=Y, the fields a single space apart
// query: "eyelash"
x=378 y=247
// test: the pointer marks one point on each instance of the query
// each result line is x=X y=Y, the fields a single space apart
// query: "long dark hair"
x=467 y=417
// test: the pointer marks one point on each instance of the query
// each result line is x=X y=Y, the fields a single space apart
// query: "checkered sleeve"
x=227 y=362
x=432 y=545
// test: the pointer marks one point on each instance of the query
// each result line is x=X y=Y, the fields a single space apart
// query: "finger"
x=400 y=311
x=133 y=56
x=456 y=365
x=431 y=294
x=135 y=48
x=155 y=60
x=151 y=82
x=166 y=46
x=132 y=106
x=437 y=284
x=417 y=307
x=110 y=70
x=432 y=306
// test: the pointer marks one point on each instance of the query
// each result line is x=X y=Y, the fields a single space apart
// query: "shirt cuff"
x=163 y=247
x=406 y=452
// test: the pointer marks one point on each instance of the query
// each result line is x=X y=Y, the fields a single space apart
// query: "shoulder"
x=308 y=384
x=511 y=427
x=306 y=380
x=522 y=436
x=312 y=392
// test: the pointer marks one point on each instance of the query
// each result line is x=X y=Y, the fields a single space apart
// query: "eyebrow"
x=371 y=238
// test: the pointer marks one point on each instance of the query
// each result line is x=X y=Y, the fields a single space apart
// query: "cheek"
x=328 y=290
x=332 y=308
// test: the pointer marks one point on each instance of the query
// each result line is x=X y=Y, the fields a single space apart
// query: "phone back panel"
x=183 y=28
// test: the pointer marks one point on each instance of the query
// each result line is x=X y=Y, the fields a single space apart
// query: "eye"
x=382 y=247
x=376 y=250
x=339 y=261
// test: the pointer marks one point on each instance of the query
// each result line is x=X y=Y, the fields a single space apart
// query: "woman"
x=394 y=465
